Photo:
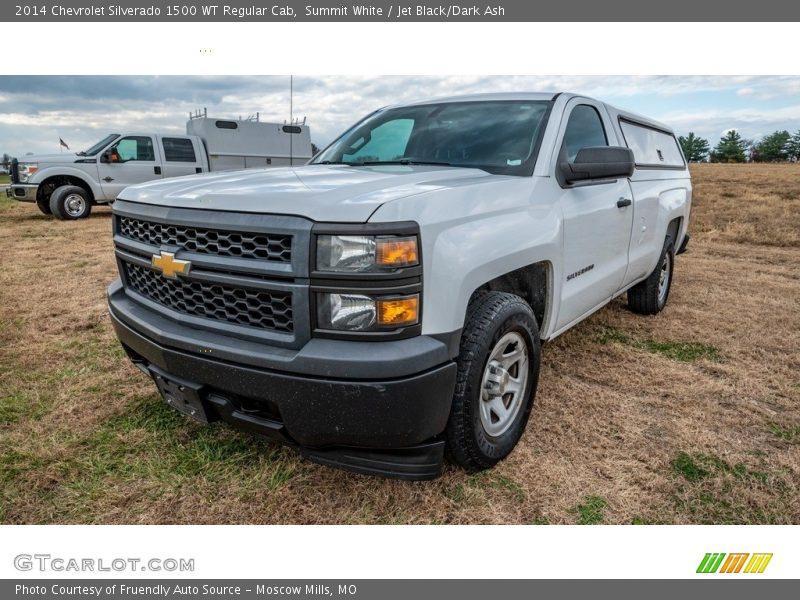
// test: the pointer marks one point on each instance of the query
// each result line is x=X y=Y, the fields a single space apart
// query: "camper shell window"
x=652 y=148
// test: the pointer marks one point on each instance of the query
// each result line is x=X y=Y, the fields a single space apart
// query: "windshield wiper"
x=333 y=162
x=81 y=153
x=404 y=161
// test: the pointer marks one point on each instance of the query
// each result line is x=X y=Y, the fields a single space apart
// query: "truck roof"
x=538 y=96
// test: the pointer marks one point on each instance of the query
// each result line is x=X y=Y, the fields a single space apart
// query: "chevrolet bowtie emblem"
x=170 y=266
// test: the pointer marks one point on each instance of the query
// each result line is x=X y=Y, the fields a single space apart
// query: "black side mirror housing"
x=600 y=162
x=105 y=157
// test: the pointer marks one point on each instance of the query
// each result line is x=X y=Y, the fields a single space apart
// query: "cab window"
x=178 y=150
x=584 y=130
x=135 y=147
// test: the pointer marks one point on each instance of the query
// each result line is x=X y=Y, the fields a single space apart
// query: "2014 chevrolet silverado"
x=386 y=304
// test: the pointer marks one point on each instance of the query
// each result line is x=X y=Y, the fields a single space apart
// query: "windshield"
x=497 y=136
x=99 y=145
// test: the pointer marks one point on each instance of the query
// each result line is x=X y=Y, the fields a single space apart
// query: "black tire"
x=70 y=202
x=490 y=317
x=44 y=206
x=647 y=297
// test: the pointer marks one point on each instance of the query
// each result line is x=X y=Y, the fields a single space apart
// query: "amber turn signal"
x=398 y=312
x=397 y=252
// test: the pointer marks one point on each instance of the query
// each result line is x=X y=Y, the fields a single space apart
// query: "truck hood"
x=334 y=193
x=62 y=157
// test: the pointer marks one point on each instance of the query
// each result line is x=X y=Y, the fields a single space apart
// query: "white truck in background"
x=67 y=185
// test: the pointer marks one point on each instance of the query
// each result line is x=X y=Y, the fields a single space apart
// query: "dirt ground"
x=692 y=416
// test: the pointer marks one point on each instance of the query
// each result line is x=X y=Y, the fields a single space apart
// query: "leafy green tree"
x=730 y=148
x=695 y=149
x=773 y=148
x=793 y=147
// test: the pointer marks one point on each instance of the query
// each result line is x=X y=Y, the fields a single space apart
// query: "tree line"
x=780 y=146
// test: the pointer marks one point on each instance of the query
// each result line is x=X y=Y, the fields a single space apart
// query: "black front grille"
x=263 y=246
x=255 y=308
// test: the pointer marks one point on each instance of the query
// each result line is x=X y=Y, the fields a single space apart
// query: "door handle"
x=157 y=170
x=623 y=202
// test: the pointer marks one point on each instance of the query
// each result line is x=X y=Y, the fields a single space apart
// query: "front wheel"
x=498 y=371
x=70 y=202
x=44 y=207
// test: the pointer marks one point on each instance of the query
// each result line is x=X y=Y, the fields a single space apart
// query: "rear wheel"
x=498 y=370
x=70 y=202
x=649 y=297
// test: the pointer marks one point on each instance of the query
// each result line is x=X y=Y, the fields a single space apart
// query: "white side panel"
x=226 y=163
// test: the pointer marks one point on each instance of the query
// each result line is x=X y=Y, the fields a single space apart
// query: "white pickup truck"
x=67 y=185
x=388 y=301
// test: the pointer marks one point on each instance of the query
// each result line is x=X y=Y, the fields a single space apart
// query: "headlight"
x=360 y=312
x=25 y=171
x=363 y=253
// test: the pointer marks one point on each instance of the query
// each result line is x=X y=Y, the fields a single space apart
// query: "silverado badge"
x=170 y=266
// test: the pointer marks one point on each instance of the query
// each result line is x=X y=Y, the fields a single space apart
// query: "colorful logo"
x=734 y=563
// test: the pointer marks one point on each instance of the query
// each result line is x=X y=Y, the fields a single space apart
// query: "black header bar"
x=394 y=11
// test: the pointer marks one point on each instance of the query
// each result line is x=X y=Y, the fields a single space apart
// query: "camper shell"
x=248 y=144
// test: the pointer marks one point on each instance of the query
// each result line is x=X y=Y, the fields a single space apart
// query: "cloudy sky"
x=36 y=110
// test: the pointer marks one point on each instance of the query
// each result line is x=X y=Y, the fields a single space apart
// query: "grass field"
x=692 y=416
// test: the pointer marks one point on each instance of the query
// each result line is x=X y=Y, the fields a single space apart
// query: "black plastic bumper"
x=382 y=426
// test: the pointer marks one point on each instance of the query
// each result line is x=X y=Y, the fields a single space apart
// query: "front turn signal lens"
x=399 y=312
x=397 y=252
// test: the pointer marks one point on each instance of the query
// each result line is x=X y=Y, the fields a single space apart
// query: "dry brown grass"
x=688 y=417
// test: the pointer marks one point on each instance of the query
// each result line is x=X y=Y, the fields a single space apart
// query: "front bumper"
x=24 y=192
x=370 y=407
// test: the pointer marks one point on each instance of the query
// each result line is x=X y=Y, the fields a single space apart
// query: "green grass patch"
x=689 y=467
x=86 y=353
x=787 y=433
x=696 y=467
x=146 y=449
x=5 y=201
x=21 y=404
x=717 y=492
x=590 y=511
x=680 y=351
x=491 y=480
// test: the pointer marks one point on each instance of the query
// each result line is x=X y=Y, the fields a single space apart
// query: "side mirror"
x=105 y=157
x=600 y=162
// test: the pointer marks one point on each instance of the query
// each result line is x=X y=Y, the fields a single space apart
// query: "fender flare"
x=89 y=183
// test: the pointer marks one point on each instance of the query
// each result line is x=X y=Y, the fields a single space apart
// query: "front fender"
x=468 y=255
x=474 y=234
x=47 y=172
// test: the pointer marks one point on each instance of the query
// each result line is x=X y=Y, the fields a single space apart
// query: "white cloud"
x=35 y=111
